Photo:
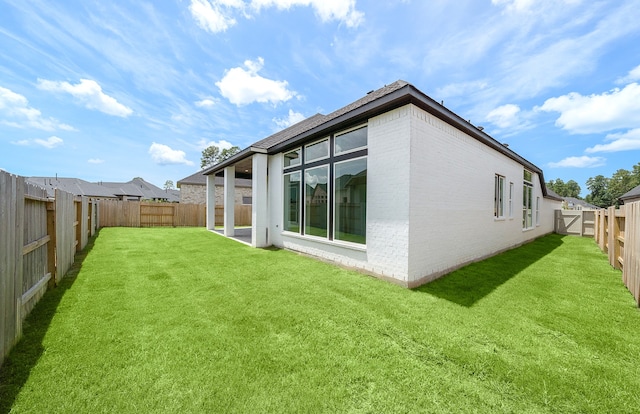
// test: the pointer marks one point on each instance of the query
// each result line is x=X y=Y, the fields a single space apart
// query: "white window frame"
x=537 y=211
x=511 y=200
x=498 y=197
x=526 y=187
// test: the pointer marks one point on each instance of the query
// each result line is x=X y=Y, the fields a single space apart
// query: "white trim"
x=339 y=243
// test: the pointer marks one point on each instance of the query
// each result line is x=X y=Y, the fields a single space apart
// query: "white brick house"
x=378 y=184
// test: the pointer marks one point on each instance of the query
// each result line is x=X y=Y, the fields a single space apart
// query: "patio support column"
x=229 y=200
x=259 y=218
x=211 y=202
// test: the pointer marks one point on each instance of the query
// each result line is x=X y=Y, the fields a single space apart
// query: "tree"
x=599 y=187
x=621 y=182
x=228 y=152
x=568 y=189
x=168 y=185
x=212 y=155
x=572 y=189
x=209 y=156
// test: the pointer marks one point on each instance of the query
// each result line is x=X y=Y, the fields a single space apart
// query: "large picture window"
x=325 y=187
x=292 y=206
x=316 y=196
x=350 y=200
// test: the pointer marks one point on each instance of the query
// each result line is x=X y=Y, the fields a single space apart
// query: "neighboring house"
x=134 y=190
x=74 y=186
x=140 y=190
x=193 y=190
x=378 y=184
x=572 y=203
x=631 y=195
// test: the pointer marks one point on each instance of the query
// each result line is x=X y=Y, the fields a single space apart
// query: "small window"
x=510 y=200
x=292 y=158
x=352 y=140
x=246 y=200
x=316 y=151
x=498 y=207
x=537 y=211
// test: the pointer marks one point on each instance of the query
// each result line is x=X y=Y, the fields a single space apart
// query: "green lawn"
x=182 y=320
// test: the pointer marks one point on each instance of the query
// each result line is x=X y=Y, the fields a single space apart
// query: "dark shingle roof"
x=633 y=193
x=374 y=103
x=74 y=186
x=319 y=119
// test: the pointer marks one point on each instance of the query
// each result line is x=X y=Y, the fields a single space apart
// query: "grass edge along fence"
x=39 y=237
x=618 y=235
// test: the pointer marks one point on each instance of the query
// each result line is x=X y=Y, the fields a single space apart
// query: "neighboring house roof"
x=572 y=201
x=377 y=102
x=148 y=190
x=631 y=194
x=74 y=186
x=137 y=187
x=200 y=179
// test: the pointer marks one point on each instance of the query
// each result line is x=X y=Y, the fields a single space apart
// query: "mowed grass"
x=183 y=320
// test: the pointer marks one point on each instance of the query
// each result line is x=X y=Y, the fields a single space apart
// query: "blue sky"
x=112 y=90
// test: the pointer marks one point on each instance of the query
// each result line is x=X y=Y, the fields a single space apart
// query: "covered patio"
x=254 y=167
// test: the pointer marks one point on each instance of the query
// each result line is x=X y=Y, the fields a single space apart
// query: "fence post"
x=51 y=246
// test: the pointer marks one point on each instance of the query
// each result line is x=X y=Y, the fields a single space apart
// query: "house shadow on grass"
x=469 y=284
x=17 y=366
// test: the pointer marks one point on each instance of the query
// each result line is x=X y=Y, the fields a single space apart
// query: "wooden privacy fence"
x=114 y=213
x=241 y=215
x=39 y=237
x=575 y=222
x=618 y=235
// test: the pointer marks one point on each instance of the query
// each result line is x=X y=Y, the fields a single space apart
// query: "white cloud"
x=49 y=143
x=504 y=116
x=528 y=6
x=328 y=10
x=218 y=15
x=244 y=86
x=292 y=119
x=222 y=144
x=89 y=92
x=95 y=161
x=17 y=113
x=632 y=76
x=213 y=16
x=579 y=162
x=460 y=89
x=163 y=155
x=206 y=103
x=626 y=141
x=616 y=109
